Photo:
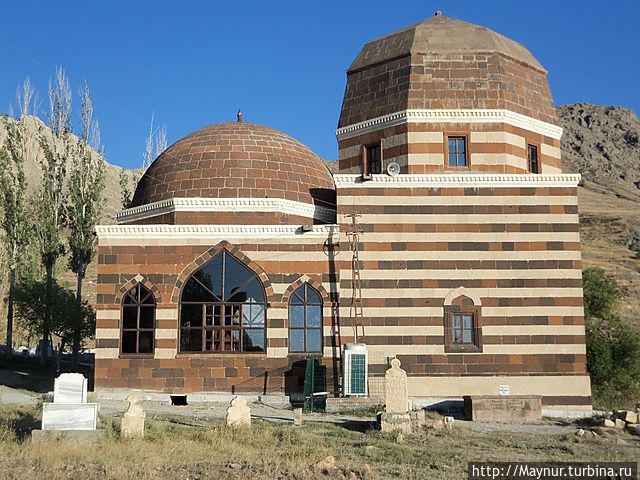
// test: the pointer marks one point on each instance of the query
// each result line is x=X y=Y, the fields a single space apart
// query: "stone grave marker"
x=70 y=388
x=133 y=419
x=69 y=411
x=297 y=416
x=238 y=414
x=396 y=401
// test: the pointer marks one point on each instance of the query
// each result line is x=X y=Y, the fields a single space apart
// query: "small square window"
x=373 y=157
x=532 y=159
x=457 y=151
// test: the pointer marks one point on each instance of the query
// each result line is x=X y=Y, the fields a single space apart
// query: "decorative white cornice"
x=467 y=180
x=451 y=116
x=210 y=232
x=197 y=204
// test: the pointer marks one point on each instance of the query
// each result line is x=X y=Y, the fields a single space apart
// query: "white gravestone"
x=70 y=410
x=69 y=416
x=70 y=388
x=238 y=413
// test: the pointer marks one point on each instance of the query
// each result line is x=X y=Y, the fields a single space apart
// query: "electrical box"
x=355 y=370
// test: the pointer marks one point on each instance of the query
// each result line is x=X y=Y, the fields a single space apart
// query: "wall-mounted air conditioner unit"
x=355 y=372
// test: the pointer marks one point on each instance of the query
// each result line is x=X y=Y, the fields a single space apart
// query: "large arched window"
x=222 y=308
x=305 y=320
x=138 y=321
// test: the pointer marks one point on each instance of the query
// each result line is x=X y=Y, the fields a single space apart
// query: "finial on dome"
x=239 y=116
x=438 y=13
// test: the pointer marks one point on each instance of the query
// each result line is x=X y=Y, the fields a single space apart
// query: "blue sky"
x=196 y=62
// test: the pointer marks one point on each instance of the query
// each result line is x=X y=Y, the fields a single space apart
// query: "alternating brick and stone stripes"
x=419 y=147
x=512 y=242
x=163 y=265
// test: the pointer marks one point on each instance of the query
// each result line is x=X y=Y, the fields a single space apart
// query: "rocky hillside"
x=603 y=144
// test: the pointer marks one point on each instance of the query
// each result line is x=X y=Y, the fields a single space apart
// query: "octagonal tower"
x=440 y=85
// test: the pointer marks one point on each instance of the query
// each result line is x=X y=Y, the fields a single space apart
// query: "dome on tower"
x=444 y=63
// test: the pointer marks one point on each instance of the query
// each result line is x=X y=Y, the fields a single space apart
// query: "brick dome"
x=237 y=160
x=445 y=63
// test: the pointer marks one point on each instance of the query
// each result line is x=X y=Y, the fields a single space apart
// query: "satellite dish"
x=393 y=169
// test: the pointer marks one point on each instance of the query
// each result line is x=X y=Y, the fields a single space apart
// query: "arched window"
x=138 y=321
x=222 y=308
x=305 y=320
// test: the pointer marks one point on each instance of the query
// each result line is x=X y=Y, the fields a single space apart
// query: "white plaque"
x=503 y=390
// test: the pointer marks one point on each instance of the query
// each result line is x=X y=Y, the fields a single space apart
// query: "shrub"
x=613 y=344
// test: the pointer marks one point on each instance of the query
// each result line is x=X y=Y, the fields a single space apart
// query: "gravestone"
x=397 y=405
x=238 y=414
x=297 y=416
x=396 y=398
x=69 y=416
x=70 y=388
x=69 y=410
x=133 y=419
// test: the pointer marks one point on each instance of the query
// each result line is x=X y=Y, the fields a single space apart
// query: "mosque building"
x=448 y=238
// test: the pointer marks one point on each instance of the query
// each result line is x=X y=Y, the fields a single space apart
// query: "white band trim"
x=211 y=232
x=451 y=116
x=197 y=204
x=449 y=180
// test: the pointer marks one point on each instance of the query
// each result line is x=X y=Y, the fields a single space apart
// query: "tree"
x=601 y=293
x=50 y=199
x=13 y=187
x=86 y=185
x=126 y=191
x=613 y=344
x=66 y=319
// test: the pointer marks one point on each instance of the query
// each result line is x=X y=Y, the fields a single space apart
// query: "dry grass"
x=174 y=450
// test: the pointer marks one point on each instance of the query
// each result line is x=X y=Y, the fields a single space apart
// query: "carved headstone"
x=396 y=398
x=395 y=417
x=238 y=413
x=70 y=388
x=133 y=419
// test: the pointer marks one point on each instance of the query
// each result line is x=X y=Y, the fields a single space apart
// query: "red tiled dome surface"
x=237 y=160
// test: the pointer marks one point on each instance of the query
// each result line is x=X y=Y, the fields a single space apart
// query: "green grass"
x=179 y=447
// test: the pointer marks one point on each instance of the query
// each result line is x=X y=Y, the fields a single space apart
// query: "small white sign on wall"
x=503 y=390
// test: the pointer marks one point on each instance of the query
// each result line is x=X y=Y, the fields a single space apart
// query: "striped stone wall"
x=419 y=148
x=163 y=265
x=511 y=242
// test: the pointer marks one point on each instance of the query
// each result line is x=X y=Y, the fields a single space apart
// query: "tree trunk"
x=12 y=283
x=76 y=333
x=44 y=350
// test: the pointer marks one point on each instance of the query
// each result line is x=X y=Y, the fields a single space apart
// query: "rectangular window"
x=463 y=328
x=457 y=150
x=532 y=157
x=373 y=159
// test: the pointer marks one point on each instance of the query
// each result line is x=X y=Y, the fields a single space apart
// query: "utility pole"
x=355 y=309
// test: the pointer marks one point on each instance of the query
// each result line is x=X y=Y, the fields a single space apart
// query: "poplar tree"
x=13 y=187
x=86 y=186
x=50 y=198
